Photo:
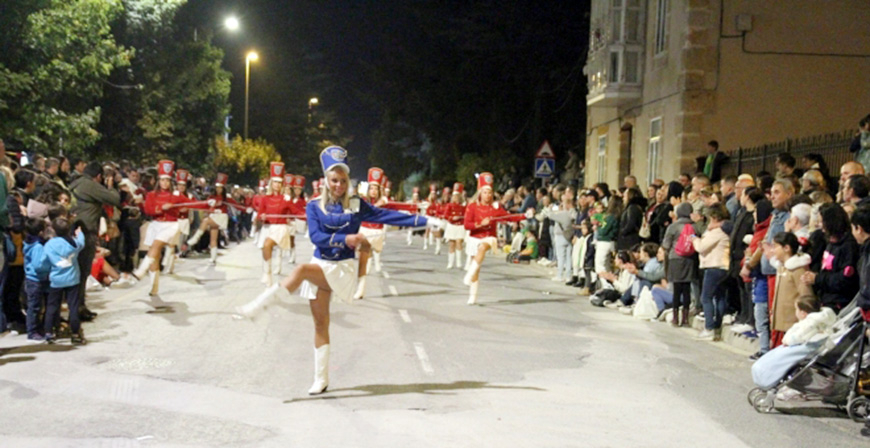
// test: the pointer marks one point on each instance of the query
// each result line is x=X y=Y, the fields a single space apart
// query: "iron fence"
x=834 y=148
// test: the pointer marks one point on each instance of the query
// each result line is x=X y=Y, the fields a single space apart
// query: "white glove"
x=249 y=210
x=211 y=202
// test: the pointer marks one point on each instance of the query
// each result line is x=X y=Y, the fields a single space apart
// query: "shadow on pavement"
x=29 y=349
x=378 y=390
x=814 y=411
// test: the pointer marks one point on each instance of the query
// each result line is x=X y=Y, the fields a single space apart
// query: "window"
x=655 y=146
x=614 y=67
x=660 y=40
x=602 y=156
x=631 y=66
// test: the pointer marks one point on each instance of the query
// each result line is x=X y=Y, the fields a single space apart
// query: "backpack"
x=684 y=247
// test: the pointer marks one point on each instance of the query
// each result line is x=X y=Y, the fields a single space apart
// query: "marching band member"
x=415 y=199
x=297 y=207
x=374 y=232
x=454 y=214
x=274 y=212
x=333 y=224
x=181 y=179
x=388 y=187
x=161 y=205
x=255 y=201
x=217 y=219
x=439 y=214
x=430 y=209
x=480 y=216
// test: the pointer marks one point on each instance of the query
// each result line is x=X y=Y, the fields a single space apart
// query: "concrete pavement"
x=412 y=365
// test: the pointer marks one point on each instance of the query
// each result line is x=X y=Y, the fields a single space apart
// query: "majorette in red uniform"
x=163 y=205
x=297 y=207
x=430 y=209
x=218 y=219
x=415 y=199
x=481 y=215
x=453 y=213
x=255 y=201
x=374 y=232
x=274 y=211
x=182 y=178
x=438 y=213
x=388 y=187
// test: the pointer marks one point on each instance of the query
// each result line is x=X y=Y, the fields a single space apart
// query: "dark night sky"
x=332 y=39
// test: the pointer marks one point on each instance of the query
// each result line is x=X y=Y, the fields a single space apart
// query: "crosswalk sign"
x=544 y=168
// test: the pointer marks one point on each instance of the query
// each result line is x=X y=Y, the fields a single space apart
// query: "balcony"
x=613 y=68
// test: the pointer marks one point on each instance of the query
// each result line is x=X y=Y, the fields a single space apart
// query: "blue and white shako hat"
x=332 y=157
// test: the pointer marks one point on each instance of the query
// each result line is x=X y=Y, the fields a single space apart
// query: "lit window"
x=655 y=147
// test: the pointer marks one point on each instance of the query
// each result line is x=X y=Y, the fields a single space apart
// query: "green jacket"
x=90 y=197
x=4 y=212
x=609 y=230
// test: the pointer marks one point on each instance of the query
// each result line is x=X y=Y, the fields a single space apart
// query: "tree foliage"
x=57 y=57
x=247 y=160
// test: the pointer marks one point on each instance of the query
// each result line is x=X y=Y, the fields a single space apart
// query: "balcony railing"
x=613 y=67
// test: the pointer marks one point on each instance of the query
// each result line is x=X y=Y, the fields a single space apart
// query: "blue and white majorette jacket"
x=329 y=230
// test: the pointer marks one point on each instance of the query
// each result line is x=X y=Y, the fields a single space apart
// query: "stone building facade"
x=666 y=76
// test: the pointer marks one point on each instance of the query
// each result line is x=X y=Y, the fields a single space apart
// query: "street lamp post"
x=311 y=103
x=252 y=56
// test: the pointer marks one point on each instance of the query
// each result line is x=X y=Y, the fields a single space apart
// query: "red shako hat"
x=376 y=175
x=165 y=168
x=485 y=180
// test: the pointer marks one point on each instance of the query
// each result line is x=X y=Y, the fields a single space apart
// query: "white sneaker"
x=613 y=305
x=558 y=279
x=704 y=335
x=741 y=328
x=627 y=310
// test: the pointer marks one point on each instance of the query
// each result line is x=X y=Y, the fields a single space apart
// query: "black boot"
x=675 y=321
x=581 y=282
x=572 y=282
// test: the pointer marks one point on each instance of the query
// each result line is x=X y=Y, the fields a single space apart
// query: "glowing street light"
x=232 y=23
x=312 y=102
x=251 y=56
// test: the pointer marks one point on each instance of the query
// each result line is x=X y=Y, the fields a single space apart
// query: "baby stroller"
x=836 y=373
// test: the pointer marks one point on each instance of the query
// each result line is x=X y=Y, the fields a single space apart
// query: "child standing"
x=36 y=271
x=63 y=251
x=714 y=251
x=790 y=266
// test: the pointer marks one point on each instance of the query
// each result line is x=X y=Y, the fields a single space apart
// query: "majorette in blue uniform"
x=333 y=227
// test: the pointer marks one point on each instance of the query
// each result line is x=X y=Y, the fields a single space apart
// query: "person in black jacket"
x=861 y=232
x=660 y=218
x=631 y=220
x=744 y=224
x=837 y=281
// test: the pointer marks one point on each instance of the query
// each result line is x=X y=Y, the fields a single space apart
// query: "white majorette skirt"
x=279 y=233
x=376 y=237
x=221 y=219
x=300 y=225
x=184 y=226
x=341 y=277
x=471 y=244
x=163 y=231
x=454 y=232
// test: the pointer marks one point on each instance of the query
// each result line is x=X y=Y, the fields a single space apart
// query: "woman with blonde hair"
x=334 y=221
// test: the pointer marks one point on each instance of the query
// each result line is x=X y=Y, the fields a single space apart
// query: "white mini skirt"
x=279 y=233
x=376 y=237
x=163 y=231
x=341 y=277
x=455 y=232
x=471 y=244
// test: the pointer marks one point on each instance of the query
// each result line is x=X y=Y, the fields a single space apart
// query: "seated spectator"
x=856 y=190
x=613 y=285
x=105 y=274
x=651 y=273
x=812 y=181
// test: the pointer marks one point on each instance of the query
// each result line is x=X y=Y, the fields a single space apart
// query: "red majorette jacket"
x=453 y=213
x=274 y=204
x=475 y=214
x=155 y=200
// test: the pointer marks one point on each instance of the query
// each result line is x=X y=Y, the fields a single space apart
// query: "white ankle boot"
x=451 y=259
x=473 y=268
x=293 y=256
x=195 y=237
x=155 y=282
x=472 y=293
x=213 y=253
x=263 y=300
x=360 y=288
x=321 y=370
x=144 y=265
x=267 y=273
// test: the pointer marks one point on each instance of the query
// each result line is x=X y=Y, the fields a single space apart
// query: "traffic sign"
x=544 y=168
x=545 y=151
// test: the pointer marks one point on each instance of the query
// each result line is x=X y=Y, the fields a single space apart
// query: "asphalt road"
x=533 y=365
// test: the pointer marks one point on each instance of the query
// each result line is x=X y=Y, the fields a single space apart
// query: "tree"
x=174 y=96
x=247 y=161
x=60 y=54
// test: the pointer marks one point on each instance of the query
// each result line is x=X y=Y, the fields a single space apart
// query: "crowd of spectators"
x=71 y=227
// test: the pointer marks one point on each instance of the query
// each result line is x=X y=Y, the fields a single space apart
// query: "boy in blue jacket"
x=63 y=251
x=36 y=271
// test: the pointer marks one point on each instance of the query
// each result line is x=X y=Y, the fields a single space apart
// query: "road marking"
x=405 y=316
x=386 y=274
x=393 y=290
x=424 y=359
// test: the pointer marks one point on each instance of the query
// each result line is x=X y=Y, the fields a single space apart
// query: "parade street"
x=532 y=365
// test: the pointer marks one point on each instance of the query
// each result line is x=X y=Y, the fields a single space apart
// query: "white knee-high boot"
x=377 y=257
x=467 y=262
x=140 y=272
x=426 y=240
x=360 y=288
x=280 y=259
x=267 y=273
x=410 y=233
x=472 y=270
x=155 y=282
x=292 y=255
x=195 y=237
x=451 y=259
x=213 y=254
x=321 y=370
x=263 y=300
x=437 y=246
x=369 y=264
x=169 y=259
x=472 y=293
